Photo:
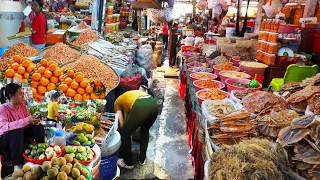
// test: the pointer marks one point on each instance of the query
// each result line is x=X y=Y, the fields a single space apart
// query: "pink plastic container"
x=230 y=86
x=216 y=71
x=213 y=76
x=200 y=100
x=219 y=84
x=235 y=60
x=253 y=70
x=224 y=78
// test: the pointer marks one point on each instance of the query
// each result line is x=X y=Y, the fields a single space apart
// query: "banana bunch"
x=81 y=126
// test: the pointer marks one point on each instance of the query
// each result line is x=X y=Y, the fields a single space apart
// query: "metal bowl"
x=48 y=123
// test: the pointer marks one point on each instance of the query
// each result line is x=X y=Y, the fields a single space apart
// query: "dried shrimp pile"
x=251 y=160
x=82 y=25
x=85 y=37
x=91 y=67
x=227 y=66
x=61 y=53
x=21 y=49
x=212 y=94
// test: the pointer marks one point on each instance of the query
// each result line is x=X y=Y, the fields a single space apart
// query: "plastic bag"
x=199 y=41
x=145 y=57
x=272 y=7
x=130 y=79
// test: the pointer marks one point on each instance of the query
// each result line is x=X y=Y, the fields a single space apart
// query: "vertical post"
x=139 y=21
x=309 y=8
x=194 y=3
x=259 y=16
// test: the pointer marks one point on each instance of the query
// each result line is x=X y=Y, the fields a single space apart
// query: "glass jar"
x=272 y=48
x=109 y=19
x=118 y=17
x=59 y=138
x=108 y=28
x=114 y=18
x=110 y=10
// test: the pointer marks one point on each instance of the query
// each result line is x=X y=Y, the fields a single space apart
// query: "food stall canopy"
x=144 y=4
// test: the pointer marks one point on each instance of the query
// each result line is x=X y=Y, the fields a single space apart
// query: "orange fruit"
x=44 y=62
x=93 y=96
x=36 y=76
x=78 y=97
x=47 y=74
x=25 y=81
x=25 y=63
x=86 y=97
x=44 y=81
x=9 y=73
x=70 y=73
x=53 y=67
x=74 y=85
x=17 y=58
x=15 y=66
x=30 y=68
x=57 y=72
x=68 y=81
x=61 y=78
x=89 y=89
x=16 y=75
x=34 y=84
x=34 y=90
x=102 y=95
x=51 y=86
x=26 y=75
x=97 y=82
x=71 y=92
x=79 y=78
x=52 y=62
x=41 y=89
x=54 y=79
x=80 y=90
x=26 y=59
x=41 y=70
x=21 y=70
x=78 y=73
x=84 y=83
x=63 y=87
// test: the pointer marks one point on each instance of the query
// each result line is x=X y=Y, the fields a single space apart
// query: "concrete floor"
x=168 y=151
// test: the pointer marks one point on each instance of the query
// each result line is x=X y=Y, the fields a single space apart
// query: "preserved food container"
x=109 y=19
x=108 y=28
x=114 y=18
x=110 y=10
x=59 y=138
x=272 y=48
x=273 y=37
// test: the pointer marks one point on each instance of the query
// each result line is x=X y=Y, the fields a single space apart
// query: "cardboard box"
x=56 y=37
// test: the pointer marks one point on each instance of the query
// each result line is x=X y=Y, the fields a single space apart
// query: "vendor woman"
x=17 y=126
x=53 y=114
x=142 y=110
x=38 y=27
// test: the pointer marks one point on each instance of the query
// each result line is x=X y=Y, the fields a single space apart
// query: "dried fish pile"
x=302 y=98
x=61 y=53
x=115 y=56
x=85 y=37
x=232 y=128
x=304 y=135
x=270 y=124
x=22 y=49
x=251 y=160
x=91 y=67
x=115 y=37
x=243 y=53
x=261 y=102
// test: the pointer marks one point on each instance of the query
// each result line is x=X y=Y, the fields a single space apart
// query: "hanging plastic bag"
x=145 y=57
x=273 y=7
x=130 y=79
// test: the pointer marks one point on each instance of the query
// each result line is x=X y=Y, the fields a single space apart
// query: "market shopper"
x=165 y=34
x=53 y=114
x=17 y=126
x=38 y=27
x=173 y=40
x=142 y=111
x=118 y=6
x=214 y=26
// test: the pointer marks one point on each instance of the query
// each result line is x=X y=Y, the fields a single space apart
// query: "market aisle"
x=167 y=156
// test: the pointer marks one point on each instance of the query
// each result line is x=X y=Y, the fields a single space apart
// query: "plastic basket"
x=72 y=137
x=108 y=167
x=89 y=161
x=37 y=161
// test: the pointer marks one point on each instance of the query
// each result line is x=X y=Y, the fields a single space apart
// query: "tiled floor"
x=167 y=155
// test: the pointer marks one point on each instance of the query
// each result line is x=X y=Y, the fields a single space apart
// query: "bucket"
x=2 y=50
x=259 y=78
x=108 y=167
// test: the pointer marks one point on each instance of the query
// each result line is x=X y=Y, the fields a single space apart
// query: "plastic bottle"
x=59 y=138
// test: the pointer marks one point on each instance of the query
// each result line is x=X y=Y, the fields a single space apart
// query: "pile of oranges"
x=44 y=78
x=20 y=68
x=47 y=76
x=75 y=85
